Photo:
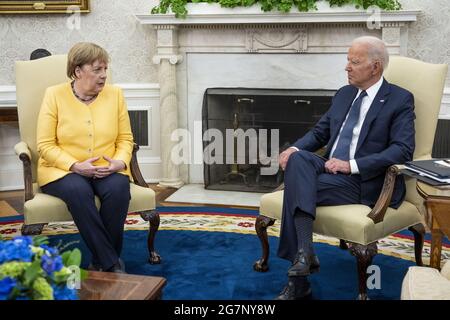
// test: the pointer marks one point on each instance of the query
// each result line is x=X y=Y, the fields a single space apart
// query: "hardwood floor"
x=11 y=202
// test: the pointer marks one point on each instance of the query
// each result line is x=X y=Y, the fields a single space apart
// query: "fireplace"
x=244 y=129
x=217 y=47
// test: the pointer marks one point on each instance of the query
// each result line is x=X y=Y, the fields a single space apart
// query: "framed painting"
x=49 y=6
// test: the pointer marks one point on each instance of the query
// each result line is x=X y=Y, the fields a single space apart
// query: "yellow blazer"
x=69 y=131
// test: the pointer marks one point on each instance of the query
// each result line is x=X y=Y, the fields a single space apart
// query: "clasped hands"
x=333 y=165
x=87 y=169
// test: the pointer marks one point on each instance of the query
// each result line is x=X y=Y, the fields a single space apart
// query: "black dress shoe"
x=298 y=289
x=94 y=267
x=118 y=267
x=304 y=265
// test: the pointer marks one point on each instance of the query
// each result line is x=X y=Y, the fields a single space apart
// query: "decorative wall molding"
x=7 y=96
x=445 y=105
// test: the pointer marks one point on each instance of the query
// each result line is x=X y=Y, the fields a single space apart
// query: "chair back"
x=426 y=82
x=32 y=79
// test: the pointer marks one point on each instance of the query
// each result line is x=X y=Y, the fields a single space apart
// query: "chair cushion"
x=424 y=283
x=445 y=271
x=44 y=208
x=349 y=222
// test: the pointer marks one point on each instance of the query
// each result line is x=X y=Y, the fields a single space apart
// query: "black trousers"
x=306 y=185
x=102 y=230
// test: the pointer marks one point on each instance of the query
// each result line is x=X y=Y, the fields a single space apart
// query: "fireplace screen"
x=244 y=130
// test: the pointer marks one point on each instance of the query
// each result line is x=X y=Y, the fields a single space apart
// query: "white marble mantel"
x=210 y=30
x=213 y=14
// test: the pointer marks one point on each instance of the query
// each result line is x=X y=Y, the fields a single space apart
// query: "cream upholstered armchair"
x=360 y=225
x=424 y=283
x=32 y=78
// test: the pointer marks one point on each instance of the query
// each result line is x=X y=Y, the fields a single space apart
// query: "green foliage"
x=179 y=6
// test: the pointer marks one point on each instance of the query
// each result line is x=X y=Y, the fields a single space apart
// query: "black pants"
x=102 y=230
x=307 y=185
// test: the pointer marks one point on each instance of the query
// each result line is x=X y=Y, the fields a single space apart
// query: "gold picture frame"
x=51 y=6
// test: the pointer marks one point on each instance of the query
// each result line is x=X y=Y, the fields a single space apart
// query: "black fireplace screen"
x=243 y=128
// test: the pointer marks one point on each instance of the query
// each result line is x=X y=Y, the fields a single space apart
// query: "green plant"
x=179 y=6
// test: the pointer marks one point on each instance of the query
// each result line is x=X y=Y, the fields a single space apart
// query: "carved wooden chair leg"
x=343 y=245
x=364 y=256
x=419 y=233
x=261 y=225
x=153 y=217
x=32 y=229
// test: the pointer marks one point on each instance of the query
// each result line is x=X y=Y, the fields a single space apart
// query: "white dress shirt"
x=365 y=105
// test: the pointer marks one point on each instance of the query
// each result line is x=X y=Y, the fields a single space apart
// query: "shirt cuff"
x=353 y=167
x=294 y=148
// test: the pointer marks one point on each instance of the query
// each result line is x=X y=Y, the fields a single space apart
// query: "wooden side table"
x=437 y=202
x=120 y=286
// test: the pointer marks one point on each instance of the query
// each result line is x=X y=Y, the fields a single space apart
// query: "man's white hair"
x=376 y=49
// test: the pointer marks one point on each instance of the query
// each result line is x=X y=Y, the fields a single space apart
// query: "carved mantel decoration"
x=211 y=29
x=279 y=39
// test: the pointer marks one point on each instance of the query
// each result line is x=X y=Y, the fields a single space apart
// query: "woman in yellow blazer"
x=85 y=143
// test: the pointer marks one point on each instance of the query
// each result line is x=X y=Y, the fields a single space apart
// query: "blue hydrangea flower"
x=16 y=249
x=6 y=286
x=51 y=264
x=23 y=240
x=64 y=293
x=52 y=251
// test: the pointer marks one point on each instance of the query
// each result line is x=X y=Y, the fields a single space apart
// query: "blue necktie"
x=342 y=150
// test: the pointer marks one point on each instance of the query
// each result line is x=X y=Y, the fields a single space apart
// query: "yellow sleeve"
x=46 y=135
x=124 y=141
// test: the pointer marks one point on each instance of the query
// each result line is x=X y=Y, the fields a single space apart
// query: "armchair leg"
x=32 y=229
x=261 y=225
x=419 y=232
x=153 y=217
x=343 y=245
x=364 y=256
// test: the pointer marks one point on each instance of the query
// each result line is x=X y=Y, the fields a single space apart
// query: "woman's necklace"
x=78 y=97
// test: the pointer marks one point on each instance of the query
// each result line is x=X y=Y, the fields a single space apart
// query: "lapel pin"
x=381 y=101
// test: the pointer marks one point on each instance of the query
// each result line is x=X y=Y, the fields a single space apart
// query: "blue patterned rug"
x=208 y=253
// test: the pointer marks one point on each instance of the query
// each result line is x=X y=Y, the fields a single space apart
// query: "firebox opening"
x=239 y=125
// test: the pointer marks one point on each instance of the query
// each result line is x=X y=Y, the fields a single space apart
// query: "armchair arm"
x=134 y=168
x=379 y=210
x=22 y=147
x=24 y=154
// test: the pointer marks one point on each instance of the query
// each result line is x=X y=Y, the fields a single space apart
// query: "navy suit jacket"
x=386 y=137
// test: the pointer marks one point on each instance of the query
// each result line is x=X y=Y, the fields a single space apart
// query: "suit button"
x=90 y=134
x=89 y=150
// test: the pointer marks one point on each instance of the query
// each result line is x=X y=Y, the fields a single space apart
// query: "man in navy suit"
x=369 y=126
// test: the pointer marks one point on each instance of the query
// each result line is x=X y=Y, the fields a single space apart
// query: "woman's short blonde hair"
x=84 y=53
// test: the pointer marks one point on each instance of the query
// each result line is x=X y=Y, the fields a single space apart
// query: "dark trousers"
x=307 y=185
x=102 y=230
